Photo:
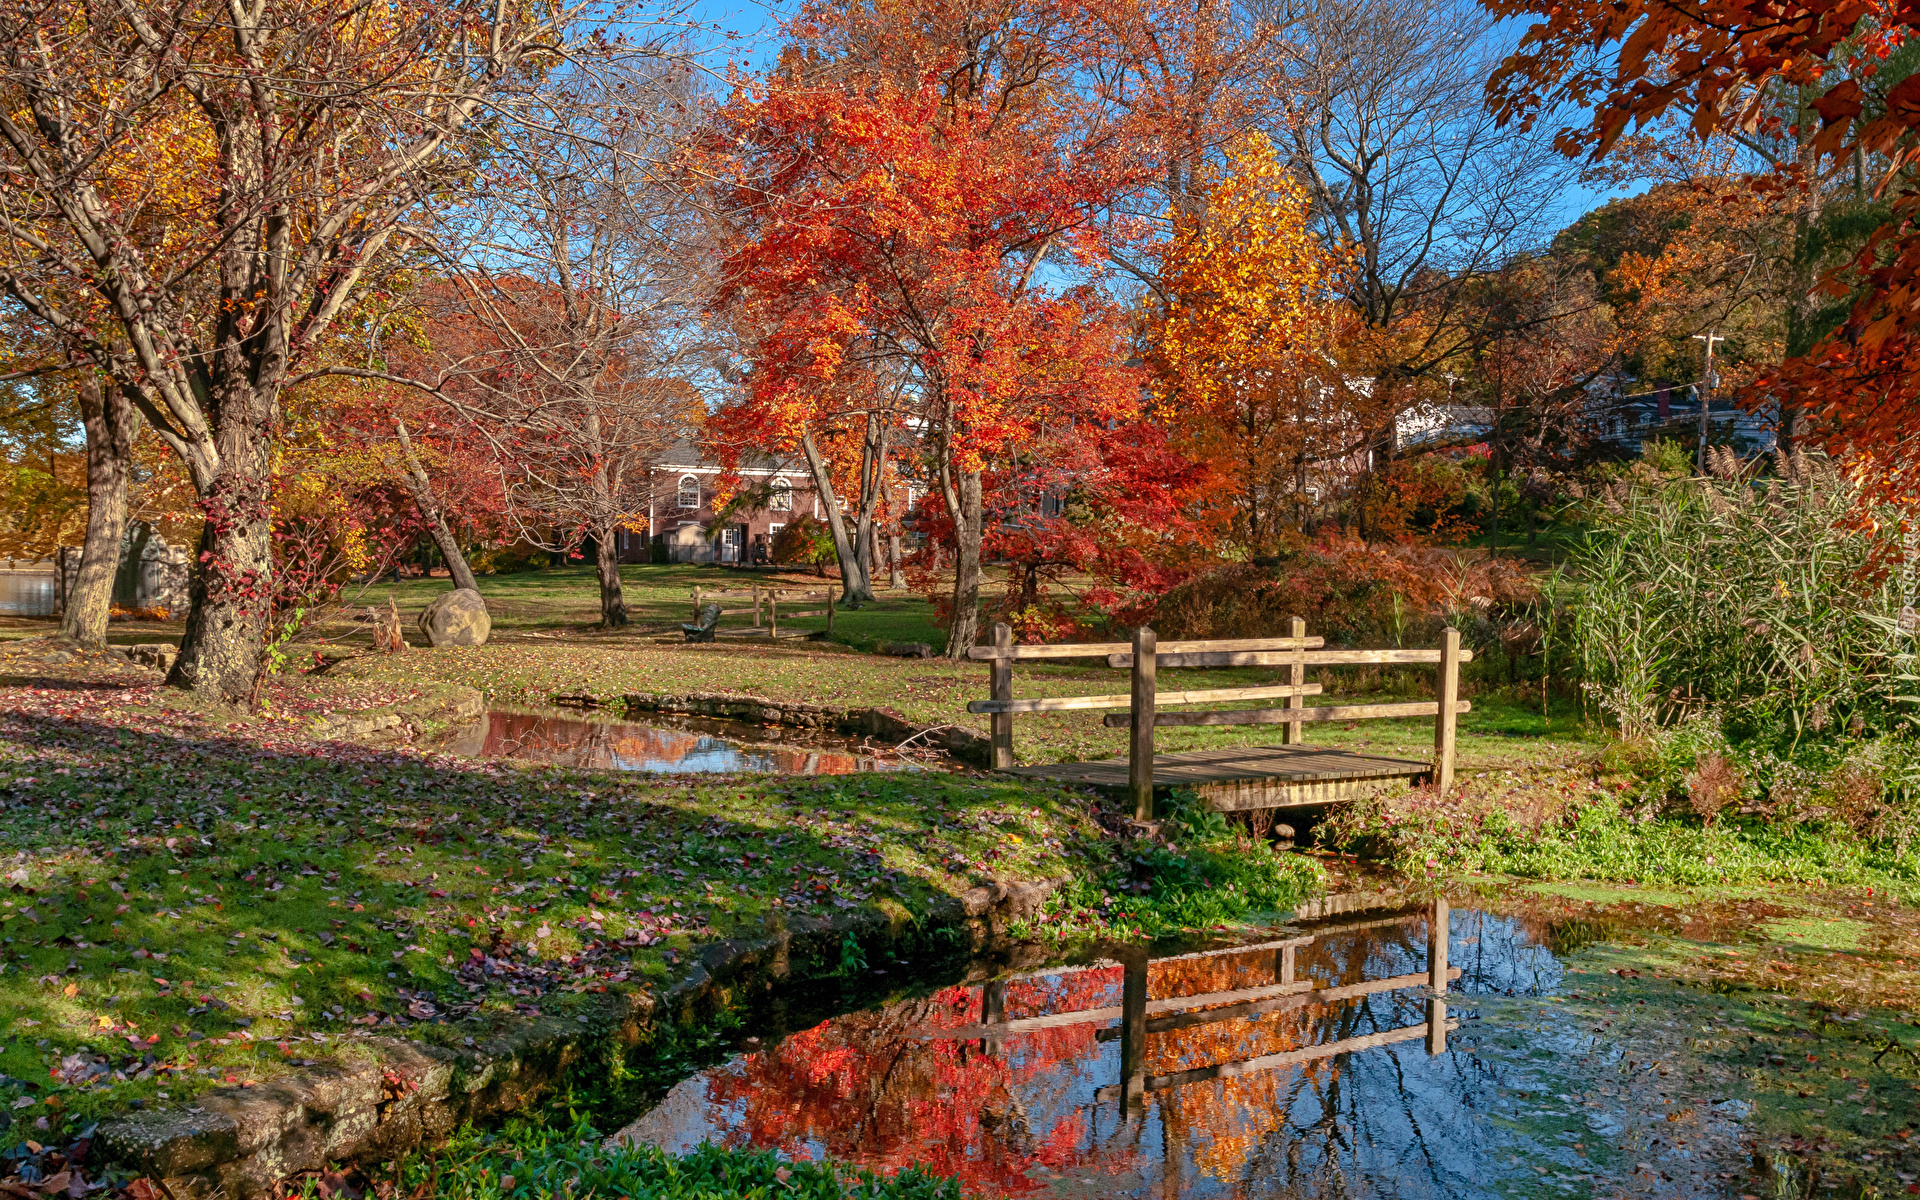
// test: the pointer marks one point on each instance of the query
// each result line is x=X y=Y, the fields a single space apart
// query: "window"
x=782 y=500
x=773 y=530
x=689 y=494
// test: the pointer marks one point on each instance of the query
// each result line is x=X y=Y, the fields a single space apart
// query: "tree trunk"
x=963 y=501
x=421 y=489
x=853 y=580
x=613 y=603
x=897 y=576
x=231 y=591
x=111 y=423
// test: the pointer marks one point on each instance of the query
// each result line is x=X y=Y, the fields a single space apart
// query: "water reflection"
x=1318 y=1064
x=625 y=746
x=26 y=595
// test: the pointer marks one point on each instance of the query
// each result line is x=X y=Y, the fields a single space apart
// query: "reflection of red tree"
x=573 y=743
x=863 y=1088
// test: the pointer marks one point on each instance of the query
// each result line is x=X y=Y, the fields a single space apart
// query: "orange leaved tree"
x=908 y=209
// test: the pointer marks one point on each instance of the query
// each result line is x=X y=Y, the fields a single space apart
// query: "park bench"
x=704 y=620
x=1290 y=775
x=765 y=612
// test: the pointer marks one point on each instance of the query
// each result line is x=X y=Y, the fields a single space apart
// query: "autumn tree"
x=894 y=200
x=1254 y=358
x=321 y=129
x=1812 y=86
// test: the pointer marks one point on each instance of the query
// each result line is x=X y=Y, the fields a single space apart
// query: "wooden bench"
x=1239 y=778
x=766 y=610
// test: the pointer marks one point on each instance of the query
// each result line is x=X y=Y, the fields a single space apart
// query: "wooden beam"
x=1000 y=690
x=1099 y=649
x=1140 y=741
x=1206 y=696
x=1290 y=1058
x=1281 y=716
x=1446 y=692
x=1087 y=1016
x=1262 y=658
x=1285 y=1002
x=1293 y=733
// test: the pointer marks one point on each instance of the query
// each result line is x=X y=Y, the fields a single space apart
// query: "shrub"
x=1760 y=602
x=803 y=541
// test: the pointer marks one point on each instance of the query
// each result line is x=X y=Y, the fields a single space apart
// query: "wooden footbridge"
x=1288 y=775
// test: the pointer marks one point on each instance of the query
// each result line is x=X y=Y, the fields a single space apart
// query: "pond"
x=669 y=744
x=24 y=594
x=1316 y=1062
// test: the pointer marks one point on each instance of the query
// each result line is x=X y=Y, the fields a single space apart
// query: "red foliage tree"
x=905 y=203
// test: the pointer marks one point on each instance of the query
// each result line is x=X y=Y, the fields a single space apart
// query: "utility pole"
x=1706 y=396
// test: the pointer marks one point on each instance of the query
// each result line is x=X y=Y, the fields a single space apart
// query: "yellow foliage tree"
x=1259 y=368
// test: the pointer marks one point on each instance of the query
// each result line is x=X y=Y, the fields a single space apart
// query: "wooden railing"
x=766 y=606
x=1144 y=656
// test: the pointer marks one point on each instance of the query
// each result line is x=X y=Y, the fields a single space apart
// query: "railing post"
x=756 y=606
x=829 y=610
x=1140 y=743
x=1438 y=931
x=696 y=604
x=773 y=614
x=1001 y=688
x=1446 y=691
x=1133 y=1026
x=1293 y=733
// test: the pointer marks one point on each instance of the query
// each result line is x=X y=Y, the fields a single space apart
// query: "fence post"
x=1446 y=690
x=1000 y=687
x=829 y=610
x=756 y=606
x=696 y=604
x=1438 y=930
x=1140 y=744
x=773 y=614
x=1293 y=733
x=1133 y=1025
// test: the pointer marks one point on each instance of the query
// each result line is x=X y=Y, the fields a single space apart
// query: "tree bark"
x=853 y=579
x=897 y=576
x=613 y=602
x=111 y=423
x=231 y=590
x=421 y=489
x=963 y=501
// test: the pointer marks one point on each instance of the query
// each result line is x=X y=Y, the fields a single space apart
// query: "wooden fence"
x=1144 y=656
x=766 y=609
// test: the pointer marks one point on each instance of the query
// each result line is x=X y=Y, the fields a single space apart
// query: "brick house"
x=680 y=509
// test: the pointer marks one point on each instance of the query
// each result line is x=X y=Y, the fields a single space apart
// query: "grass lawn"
x=197 y=900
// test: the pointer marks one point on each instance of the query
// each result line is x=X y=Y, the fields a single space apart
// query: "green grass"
x=529 y=1161
x=204 y=901
x=566 y=600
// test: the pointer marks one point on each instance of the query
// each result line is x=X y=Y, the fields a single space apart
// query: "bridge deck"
x=1242 y=777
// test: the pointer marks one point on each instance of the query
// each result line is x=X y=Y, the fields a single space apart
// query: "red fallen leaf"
x=55 y=1183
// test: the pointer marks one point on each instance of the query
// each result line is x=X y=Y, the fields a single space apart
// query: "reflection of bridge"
x=1138 y=1015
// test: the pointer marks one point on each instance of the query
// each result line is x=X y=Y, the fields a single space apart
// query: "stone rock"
x=907 y=649
x=457 y=618
x=154 y=654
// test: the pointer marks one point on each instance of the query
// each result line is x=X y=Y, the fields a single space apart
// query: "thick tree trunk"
x=421 y=489
x=853 y=579
x=613 y=602
x=897 y=576
x=111 y=423
x=963 y=496
x=231 y=591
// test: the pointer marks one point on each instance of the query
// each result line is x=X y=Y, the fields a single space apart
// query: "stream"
x=1316 y=1060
